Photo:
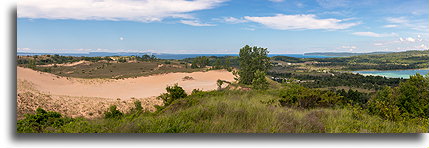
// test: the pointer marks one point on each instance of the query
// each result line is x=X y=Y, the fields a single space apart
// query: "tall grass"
x=232 y=111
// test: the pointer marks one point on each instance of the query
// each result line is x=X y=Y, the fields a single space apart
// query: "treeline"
x=224 y=62
x=405 y=102
x=339 y=79
x=390 y=61
x=32 y=61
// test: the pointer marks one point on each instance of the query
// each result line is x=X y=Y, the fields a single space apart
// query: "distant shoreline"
x=160 y=55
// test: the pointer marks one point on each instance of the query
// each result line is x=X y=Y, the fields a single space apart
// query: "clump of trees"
x=409 y=100
x=200 y=62
x=254 y=64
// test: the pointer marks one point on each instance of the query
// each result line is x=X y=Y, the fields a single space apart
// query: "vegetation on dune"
x=104 y=67
x=265 y=107
x=254 y=111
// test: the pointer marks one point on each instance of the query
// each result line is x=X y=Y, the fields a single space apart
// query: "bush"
x=137 y=107
x=41 y=120
x=173 y=93
x=298 y=96
x=112 y=113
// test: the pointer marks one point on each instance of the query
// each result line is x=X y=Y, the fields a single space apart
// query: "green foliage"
x=399 y=60
x=40 y=121
x=409 y=100
x=259 y=81
x=173 y=93
x=295 y=95
x=252 y=59
x=200 y=62
x=334 y=79
x=413 y=96
x=219 y=84
x=137 y=107
x=113 y=113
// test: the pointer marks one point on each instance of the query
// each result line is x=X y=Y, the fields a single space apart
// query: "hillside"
x=389 y=61
x=343 y=54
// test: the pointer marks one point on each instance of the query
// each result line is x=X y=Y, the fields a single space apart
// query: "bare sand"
x=66 y=64
x=91 y=97
x=140 y=87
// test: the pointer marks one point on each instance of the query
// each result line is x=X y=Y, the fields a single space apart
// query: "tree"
x=413 y=96
x=259 y=81
x=252 y=59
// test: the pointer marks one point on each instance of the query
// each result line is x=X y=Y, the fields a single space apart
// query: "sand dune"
x=89 y=98
x=140 y=87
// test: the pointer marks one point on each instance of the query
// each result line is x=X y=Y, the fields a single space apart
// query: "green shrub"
x=112 y=113
x=41 y=120
x=173 y=93
x=295 y=95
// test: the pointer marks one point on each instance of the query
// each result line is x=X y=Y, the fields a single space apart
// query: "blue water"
x=162 y=56
x=395 y=73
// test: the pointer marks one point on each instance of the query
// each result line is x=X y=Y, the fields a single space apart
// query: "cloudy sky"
x=221 y=26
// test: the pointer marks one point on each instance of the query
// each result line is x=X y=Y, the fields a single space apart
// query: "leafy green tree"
x=259 y=81
x=384 y=104
x=252 y=59
x=413 y=96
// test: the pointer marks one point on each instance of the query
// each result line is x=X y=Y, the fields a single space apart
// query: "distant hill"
x=413 y=59
x=343 y=54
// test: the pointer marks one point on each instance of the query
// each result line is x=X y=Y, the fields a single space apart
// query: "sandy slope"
x=140 y=87
x=89 y=98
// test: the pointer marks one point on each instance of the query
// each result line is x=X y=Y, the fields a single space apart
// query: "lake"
x=394 y=73
x=161 y=55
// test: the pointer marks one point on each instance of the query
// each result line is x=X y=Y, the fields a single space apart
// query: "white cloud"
x=350 y=48
x=378 y=44
x=234 y=20
x=410 y=39
x=420 y=25
x=372 y=34
x=390 y=26
x=397 y=20
x=195 y=23
x=293 y=22
x=121 y=38
x=129 y=10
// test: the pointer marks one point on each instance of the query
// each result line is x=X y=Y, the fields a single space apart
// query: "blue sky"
x=222 y=26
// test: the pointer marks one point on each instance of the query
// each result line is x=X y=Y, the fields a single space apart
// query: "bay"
x=394 y=73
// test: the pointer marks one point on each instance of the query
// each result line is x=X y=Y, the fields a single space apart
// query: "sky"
x=221 y=26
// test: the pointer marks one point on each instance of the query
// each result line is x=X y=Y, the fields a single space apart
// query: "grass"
x=234 y=111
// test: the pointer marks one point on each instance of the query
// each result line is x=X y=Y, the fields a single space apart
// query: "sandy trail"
x=140 y=87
